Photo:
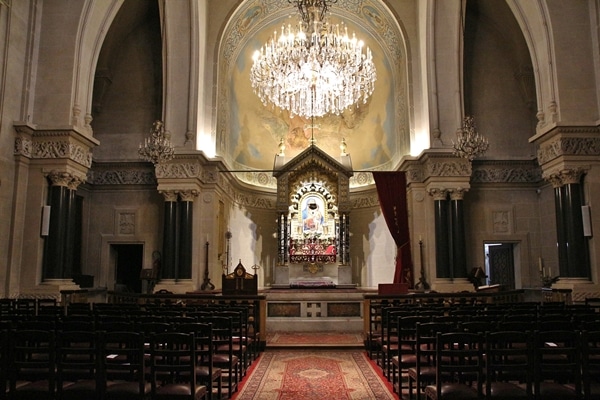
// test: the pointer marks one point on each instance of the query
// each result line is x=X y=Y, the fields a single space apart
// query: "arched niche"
x=313 y=212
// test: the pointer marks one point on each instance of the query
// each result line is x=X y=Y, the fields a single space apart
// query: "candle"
x=540 y=264
x=420 y=238
x=550 y=272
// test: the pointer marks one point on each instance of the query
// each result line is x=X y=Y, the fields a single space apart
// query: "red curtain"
x=391 y=189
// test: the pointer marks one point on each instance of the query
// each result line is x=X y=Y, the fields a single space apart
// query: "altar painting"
x=312 y=238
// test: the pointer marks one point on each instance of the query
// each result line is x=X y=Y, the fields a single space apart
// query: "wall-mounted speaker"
x=587 y=222
x=45 y=220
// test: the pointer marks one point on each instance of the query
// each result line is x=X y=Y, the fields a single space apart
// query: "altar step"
x=315 y=340
x=299 y=310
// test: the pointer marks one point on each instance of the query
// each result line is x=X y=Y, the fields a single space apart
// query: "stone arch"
x=532 y=17
x=93 y=24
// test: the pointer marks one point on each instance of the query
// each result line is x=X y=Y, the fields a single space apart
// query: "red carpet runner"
x=314 y=375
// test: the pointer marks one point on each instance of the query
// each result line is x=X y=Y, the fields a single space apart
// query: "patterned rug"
x=314 y=375
x=315 y=339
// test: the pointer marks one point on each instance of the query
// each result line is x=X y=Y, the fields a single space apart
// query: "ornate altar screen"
x=313 y=230
x=313 y=219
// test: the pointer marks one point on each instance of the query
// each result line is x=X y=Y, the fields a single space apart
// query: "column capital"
x=169 y=195
x=565 y=176
x=188 y=194
x=438 y=193
x=65 y=178
x=457 y=193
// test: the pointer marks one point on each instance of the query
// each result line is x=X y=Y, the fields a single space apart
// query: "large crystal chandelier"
x=157 y=147
x=314 y=68
x=469 y=143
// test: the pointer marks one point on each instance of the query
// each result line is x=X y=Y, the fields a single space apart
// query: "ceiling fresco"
x=374 y=132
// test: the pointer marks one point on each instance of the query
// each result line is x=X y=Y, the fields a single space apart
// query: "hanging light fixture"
x=314 y=68
x=469 y=143
x=157 y=146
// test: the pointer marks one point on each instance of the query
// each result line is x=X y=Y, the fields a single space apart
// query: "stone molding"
x=508 y=171
x=434 y=166
x=121 y=174
x=568 y=141
x=178 y=170
x=569 y=146
x=53 y=144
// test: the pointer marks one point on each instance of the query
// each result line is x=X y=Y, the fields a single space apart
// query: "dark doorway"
x=128 y=264
x=501 y=265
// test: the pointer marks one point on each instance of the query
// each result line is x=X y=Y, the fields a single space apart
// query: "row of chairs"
x=384 y=342
x=78 y=365
x=98 y=315
x=235 y=345
x=393 y=344
x=450 y=364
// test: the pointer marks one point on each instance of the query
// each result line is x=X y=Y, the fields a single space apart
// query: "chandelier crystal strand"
x=470 y=144
x=317 y=56
x=157 y=147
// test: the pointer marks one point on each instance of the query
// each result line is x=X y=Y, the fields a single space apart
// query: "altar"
x=313 y=221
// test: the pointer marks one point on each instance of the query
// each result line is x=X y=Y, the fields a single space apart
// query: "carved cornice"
x=448 y=168
x=436 y=166
x=121 y=174
x=23 y=147
x=178 y=170
x=53 y=144
x=364 y=199
x=569 y=141
x=517 y=171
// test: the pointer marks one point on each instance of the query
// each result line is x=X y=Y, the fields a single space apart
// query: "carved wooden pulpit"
x=240 y=282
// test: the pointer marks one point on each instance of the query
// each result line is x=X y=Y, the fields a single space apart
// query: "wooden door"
x=502 y=266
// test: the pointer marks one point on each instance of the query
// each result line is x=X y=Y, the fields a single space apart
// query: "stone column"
x=442 y=233
x=561 y=241
x=54 y=247
x=572 y=246
x=169 y=259
x=186 y=233
x=73 y=230
x=459 y=251
x=59 y=248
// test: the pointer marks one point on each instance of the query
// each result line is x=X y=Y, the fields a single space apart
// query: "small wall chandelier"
x=315 y=68
x=470 y=144
x=157 y=147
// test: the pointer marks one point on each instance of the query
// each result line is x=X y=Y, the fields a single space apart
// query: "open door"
x=502 y=265
x=128 y=265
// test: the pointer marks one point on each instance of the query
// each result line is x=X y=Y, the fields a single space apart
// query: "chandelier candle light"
x=157 y=147
x=469 y=143
x=315 y=68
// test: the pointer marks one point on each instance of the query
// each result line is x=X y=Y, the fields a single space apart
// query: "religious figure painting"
x=313 y=218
